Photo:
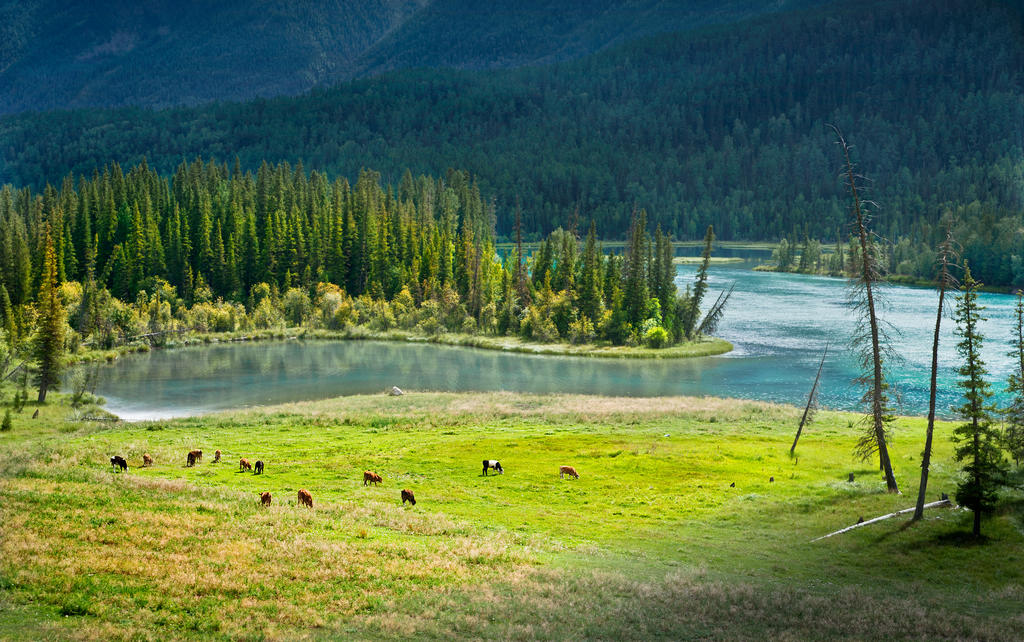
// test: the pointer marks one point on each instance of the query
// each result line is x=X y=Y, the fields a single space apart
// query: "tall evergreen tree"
x=589 y=296
x=976 y=439
x=1013 y=437
x=691 y=310
x=49 y=339
x=634 y=285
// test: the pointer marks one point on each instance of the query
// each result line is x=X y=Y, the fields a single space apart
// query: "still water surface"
x=779 y=324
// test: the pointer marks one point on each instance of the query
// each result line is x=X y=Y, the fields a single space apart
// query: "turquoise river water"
x=778 y=323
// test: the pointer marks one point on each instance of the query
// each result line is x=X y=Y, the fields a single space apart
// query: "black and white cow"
x=495 y=464
x=118 y=462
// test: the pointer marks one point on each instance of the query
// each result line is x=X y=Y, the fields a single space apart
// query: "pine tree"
x=1013 y=437
x=589 y=296
x=634 y=287
x=49 y=340
x=976 y=439
x=691 y=309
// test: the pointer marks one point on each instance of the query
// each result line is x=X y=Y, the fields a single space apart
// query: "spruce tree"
x=634 y=286
x=589 y=297
x=1013 y=437
x=49 y=340
x=976 y=438
x=691 y=308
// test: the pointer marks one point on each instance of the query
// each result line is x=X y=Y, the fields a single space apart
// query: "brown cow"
x=305 y=498
x=198 y=454
x=407 y=496
x=567 y=470
x=147 y=460
x=216 y=456
x=265 y=498
x=243 y=464
x=191 y=461
x=371 y=478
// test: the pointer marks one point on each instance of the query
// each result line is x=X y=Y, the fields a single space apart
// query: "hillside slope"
x=59 y=55
x=725 y=127
x=165 y=52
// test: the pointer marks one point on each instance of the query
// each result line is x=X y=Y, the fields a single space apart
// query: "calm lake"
x=779 y=324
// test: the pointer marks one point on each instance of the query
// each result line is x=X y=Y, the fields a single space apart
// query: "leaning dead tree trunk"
x=947 y=254
x=812 y=402
x=868 y=337
x=941 y=502
x=711 y=320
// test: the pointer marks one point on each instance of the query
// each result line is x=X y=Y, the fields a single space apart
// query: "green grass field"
x=651 y=541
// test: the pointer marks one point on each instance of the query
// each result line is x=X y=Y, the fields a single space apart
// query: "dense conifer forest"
x=214 y=248
x=724 y=127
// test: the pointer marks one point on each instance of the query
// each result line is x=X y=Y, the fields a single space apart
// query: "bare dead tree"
x=946 y=258
x=812 y=403
x=869 y=341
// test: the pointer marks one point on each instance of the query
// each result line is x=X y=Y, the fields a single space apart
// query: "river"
x=778 y=323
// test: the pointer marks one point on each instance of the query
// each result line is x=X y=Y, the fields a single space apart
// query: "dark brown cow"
x=305 y=498
x=147 y=460
x=259 y=467
x=198 y=454
x=265 y=499
x=191 y=461
x=407 y=496
x=370 y=477
x=567 y=470
x=243 y=464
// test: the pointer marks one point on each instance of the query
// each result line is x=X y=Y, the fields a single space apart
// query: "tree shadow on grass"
x=960 y=539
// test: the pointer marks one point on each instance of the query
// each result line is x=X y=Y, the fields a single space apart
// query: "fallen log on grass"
x=941 y=502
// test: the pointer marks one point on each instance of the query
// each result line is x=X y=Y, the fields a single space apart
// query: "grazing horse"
x=305 y=498
x=147 y=460
x=259 y=467
x=407 y=496
x=495 y=464
x=371 y=477
x=117 y=461
x=191 y=461
x=243 y=464
x=216 y=456
x=265 y=498
x=567 y=470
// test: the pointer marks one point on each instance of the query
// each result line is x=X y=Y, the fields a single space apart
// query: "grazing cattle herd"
x=304 y=496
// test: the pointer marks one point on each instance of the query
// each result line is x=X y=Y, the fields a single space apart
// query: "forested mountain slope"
x=57 y=54
x=466 y=34
x=724 y=127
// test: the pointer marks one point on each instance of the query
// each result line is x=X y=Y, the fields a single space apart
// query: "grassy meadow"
x=652 y=541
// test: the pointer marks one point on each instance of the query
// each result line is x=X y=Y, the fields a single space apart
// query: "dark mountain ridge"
x=160 y=53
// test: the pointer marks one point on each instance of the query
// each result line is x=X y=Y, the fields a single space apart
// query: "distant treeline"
x=724 y=127
x=259 y=249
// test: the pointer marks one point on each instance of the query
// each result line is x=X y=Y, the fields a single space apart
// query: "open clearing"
x=651 y=541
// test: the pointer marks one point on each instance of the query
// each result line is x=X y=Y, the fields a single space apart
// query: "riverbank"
x=704 y=347
x=689 y=519
x=891 y=279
